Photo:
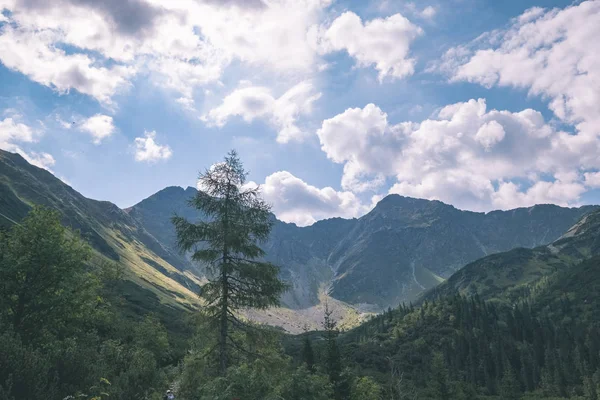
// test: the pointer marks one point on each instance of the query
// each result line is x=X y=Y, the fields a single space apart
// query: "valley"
x=392 y=255
x=405 y=317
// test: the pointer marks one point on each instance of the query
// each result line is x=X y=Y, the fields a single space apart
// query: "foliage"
x=463 y=347
x=236 y=220
x=333 y=360
x=268 y=374
x=365 y=388
x=44 y=287
x=62 y=331
x=308 y=354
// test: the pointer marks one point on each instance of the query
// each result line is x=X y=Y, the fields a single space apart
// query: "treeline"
x=465 y=348
x=64 y=330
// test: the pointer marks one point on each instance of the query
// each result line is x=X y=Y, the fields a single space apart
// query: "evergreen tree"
x=308 y=354
x=333 y=361
x=44 y=284
x=237 y=219
x=439 y=375
x=509 y=386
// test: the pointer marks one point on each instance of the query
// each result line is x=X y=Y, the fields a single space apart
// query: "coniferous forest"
x=73 y=325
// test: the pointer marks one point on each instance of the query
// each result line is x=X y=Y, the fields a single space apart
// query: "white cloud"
x=182 y=44
x=489 y=134
x=557 y=192
x=12 y=131
x=384 y=43
x=186 y=103
x=469 y=156
x=256 y=102
x=42 y=160
x=429 y=12
x=592 y=179
x=551 y=53
x=99 y=126
x=35 y=55
x=296 y=201
x=148 y=150
x=362 y=140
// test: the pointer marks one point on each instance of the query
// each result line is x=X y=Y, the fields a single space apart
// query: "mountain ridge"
x=360 y=260
x=390 y=255
x=504 y=276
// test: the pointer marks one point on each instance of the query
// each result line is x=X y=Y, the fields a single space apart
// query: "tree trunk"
x=223 y=329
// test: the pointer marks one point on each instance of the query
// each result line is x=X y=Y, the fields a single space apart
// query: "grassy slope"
x=508 y=276
x=110 y=231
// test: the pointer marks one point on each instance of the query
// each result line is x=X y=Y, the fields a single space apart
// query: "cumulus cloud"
x=558 y=192
x=469 y=156
x=592 y=179
x=148 y=150
x=489 y=134
x=296 y=201
x=257 y=102
x=551 y=53
x=36 y=56
x=99 y=126
x=382 y=42
x=363 y=141
x=182 y=45
x=12 y=132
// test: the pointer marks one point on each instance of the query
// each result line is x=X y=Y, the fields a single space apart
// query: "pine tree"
x=509 y=386
x=308 y=355
x=237 y=219
x=440 y=380
x=333 y=361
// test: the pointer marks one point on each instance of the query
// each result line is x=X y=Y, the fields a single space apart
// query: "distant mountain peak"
x=395 y=200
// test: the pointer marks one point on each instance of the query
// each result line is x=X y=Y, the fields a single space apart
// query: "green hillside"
x=507 y=276
x=545 y=345
x=111 y=232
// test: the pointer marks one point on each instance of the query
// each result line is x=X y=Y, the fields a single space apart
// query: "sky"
x=331 y=104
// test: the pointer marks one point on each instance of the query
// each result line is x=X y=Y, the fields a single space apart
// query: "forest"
x=72 y=326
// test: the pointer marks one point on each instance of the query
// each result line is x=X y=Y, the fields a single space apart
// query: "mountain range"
x=393 y=254
x=390 y=255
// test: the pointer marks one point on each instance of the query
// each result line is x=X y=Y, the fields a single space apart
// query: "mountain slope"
x=111 y=232
x=392 y=254
x=508 y=275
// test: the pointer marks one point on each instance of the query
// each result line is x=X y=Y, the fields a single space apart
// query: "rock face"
x=401 y=248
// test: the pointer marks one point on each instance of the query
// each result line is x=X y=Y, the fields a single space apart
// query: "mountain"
x=112 y=233
x=508 y=275
x=517 y=324
x=390 y=255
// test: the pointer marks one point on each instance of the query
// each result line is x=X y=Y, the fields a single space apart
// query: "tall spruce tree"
x=308 y=354
x=333 y=359
x=237 y=220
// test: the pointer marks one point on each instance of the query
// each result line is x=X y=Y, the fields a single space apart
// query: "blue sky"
x=331 y=104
